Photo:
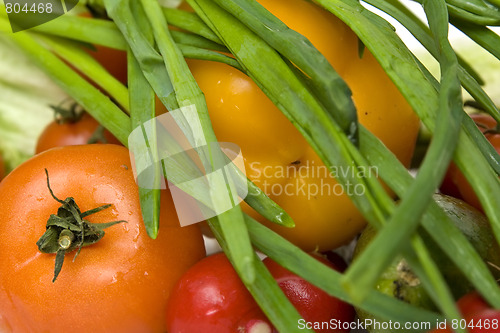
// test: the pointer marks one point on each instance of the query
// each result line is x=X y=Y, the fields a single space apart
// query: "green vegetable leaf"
x=26 y=94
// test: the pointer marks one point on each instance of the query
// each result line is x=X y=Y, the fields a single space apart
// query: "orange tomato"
x=121 y=283
x=70 y=133
x=277 y=157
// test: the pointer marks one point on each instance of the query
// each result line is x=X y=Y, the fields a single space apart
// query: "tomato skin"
x=449 y=186
x=210 y=297
x=476 y=310
x=472 y=303
x=336 y=260
x=120 y=284
x=242 y=113
x=485 y=123
x=488 y=315
x=70 y=133
x=478 y=315
x=313 y=304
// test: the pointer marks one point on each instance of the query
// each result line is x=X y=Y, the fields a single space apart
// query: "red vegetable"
x=210 y=297
x=119 y=284
x=449 y=186
x=478 y=316
x=314 y=305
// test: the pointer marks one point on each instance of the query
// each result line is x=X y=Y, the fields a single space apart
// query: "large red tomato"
x=478 y=316
x=210 y=297
x=119 y=284
x=314 y=305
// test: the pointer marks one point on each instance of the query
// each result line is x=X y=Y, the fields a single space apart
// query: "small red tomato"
x=486 y=321
x=336 y=260
x=449 y=186
x=313 y=304
x=478 y=316
x=210 y=297
x=472 y=303
x=73 y=131
x=488 y=126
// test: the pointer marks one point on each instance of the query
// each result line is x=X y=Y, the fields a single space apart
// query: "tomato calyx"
x=488 y=130
x=71 y=114
x=68 y=230
x=485 y=128
x=98 y=136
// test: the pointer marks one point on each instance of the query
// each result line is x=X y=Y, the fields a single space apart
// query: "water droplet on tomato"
x=137 y=232
x=5 y=327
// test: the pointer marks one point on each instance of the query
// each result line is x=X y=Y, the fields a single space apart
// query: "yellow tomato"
x=277 y=157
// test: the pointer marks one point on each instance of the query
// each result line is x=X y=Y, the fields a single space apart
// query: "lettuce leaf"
x=25 y=95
